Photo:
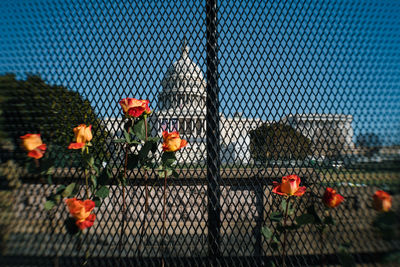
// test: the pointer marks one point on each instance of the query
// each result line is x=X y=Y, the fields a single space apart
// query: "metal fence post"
x=213 y=134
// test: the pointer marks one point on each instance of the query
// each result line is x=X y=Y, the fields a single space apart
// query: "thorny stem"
x=323 y=245
x=145 y=174
x=123 y=191
x=87 y=184
x=164 y=213
x=86 y=150
x=144 y=228
x=285 y=232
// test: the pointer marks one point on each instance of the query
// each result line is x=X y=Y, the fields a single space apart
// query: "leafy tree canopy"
x=370 y=142
x=33 y=106
x=278 y=141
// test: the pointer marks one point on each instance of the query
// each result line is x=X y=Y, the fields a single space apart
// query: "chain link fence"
x=260 y=90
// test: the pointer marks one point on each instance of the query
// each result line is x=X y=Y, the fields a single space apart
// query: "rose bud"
x=134 y=108
x=331 y=199
x=382 y=201
x=34 y=145
x=83 y=135
x=289 y=186
x=81 y=211
x=172 y=142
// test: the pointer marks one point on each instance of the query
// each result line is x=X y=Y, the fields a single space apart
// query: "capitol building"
x=182 y=108
x=182 y=103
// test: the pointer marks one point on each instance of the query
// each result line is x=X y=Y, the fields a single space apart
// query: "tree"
x=278 y=141
x=32 y=106
x=369 y=142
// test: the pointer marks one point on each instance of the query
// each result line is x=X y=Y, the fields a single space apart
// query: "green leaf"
x=91 y=161
x=305 y=219
x=133 y=161
x=144 y=152
x=104 y=177
x=283 y=207
x=153 y=139
x=97 y=201
x=60 y=189
x=283 y=204
x=57 y=198
x=168 y=159
x=276 y=216
x=103 y=192
x=95 y=168
x=267 y=233
x=68 y=190
x=49 y=204
x=127 y=136
x=139 y=129
x=93 y=178
x=49 y=179
x=311 y=210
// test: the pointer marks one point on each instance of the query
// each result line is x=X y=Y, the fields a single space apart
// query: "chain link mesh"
x=259 y=89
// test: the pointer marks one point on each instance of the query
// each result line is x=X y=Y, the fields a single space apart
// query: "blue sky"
x=276 y=58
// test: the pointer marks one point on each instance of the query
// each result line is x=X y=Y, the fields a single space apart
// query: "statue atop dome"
x=185 y=49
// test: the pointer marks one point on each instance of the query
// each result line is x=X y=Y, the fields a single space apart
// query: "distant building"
x=330 y=134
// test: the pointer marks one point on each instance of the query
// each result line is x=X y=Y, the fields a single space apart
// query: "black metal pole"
x=213 y=134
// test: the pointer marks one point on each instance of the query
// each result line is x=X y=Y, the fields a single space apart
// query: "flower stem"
x=285 y=232
x=85 y=156
x=86 y=184
x=146 y=208
x=164 y=213
x=145 y=171
x=123 y=191
x=165 y=200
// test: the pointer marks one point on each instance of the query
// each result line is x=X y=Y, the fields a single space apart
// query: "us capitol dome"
x=182 y=103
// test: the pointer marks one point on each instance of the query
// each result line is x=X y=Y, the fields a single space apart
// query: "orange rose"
x=331 y=198
x=172 y=142
x=33 y=144
x=83 y=135
x=289 y=186
x=81 y=211
x=382 y=201
x=133 y=107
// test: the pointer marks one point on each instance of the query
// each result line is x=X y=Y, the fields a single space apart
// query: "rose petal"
x=36 y=153
x=300 y=191
x=76 y=145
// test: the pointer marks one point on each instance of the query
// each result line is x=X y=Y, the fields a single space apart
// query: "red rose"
x=83 y=135
x=382 y=201
x=289 y=186
x=331 y=198
x=134 y=108
x=33 y=144
x=81 y=211
x=172 y=142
